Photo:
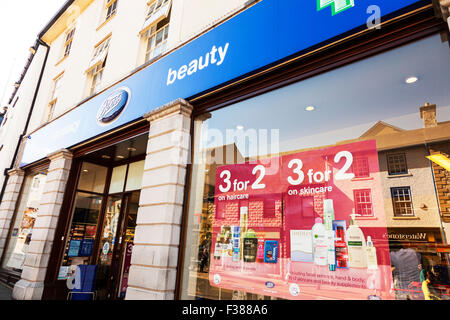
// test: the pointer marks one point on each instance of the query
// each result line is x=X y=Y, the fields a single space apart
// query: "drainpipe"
x=37 y=44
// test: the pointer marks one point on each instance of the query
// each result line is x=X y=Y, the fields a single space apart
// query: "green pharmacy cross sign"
x=337 y=6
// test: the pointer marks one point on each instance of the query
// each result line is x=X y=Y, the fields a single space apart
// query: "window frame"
x=395 y=201
x=152 y=33
x=357 y=203
x=390 y=170
x=68 y=42
x=110 y=12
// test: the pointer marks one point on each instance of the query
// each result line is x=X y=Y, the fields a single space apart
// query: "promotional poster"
x=310 y=221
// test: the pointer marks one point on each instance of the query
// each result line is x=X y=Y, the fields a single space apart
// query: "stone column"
x=445 y=7
x=8 y=203
x=31 y=285
x=154 y=259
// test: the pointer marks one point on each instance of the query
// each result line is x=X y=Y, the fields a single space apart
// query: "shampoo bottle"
x=250 y=246
x=371 y=253
x=356 y=244
x=319 y=242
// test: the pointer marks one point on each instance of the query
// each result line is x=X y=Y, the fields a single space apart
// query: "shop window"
x=363 y=202
x=402 y=201
x=397 y=163
x=312 y=162
x=118 y=179
x=23 y=222
x=92 y=178
x=361 y=167
x=134 y=178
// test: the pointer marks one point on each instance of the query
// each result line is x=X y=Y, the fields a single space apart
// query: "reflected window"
x=402 y=202
x=397 y=163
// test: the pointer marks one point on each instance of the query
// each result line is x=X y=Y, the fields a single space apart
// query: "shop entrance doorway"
x=103 y=221
x=116 y=243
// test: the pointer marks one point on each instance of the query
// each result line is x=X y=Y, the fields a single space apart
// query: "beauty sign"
x=304 y=225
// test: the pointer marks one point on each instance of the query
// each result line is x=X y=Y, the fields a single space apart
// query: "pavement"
x=5 y=292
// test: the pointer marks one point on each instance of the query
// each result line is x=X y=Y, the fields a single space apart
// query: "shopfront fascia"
x=214 y=90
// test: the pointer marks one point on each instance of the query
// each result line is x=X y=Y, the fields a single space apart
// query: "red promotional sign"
x=305 y=225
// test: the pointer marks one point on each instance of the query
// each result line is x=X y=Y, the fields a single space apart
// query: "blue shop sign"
x=264 y=35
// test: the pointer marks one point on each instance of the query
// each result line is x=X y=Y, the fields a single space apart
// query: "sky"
x=20 y=23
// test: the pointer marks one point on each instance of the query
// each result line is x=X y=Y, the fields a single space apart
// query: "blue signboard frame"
x=262 y=36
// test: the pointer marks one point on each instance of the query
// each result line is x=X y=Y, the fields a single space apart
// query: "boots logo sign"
x=113 y=106
x=337 y=6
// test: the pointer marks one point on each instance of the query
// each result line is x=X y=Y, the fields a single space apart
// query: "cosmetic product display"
x=331 y=252
x=340 y=244
x=270 y=251
x=356 y=244
x=250 y=246
x=301 y=245
x=319 y=243
x=217 y=248
x=328 y=213
x=371 y=254
x=260 y=252
x=243 y=221
x=236 y=240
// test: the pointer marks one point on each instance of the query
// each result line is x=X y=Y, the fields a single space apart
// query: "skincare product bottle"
x=217 y=248
x=341 y=248
x=270 y=251
x=250 y=246
x=319 y=243
x=371 y=251
x=331 y=253
x=356 y=244
x=328 y=213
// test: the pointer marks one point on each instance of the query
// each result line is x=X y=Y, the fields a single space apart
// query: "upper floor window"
x=154 y=8
x=157 y=39
x=111 y=8
x=54 y=97
x=68 y=42
x=97 y=65
x=397 y=163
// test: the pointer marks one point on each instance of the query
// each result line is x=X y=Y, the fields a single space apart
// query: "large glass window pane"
x=134 y=178
x=24 y=220
x=118 y=179
x=352 y=169
x=92 y=178
x=82 y=232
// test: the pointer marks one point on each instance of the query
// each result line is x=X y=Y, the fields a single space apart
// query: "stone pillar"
x=445 y=7
x=154 y=259
x=8 y=203
x=31 y=285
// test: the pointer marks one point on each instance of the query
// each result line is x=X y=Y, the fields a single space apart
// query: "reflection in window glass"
x=343 y=220
x=24 y=221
